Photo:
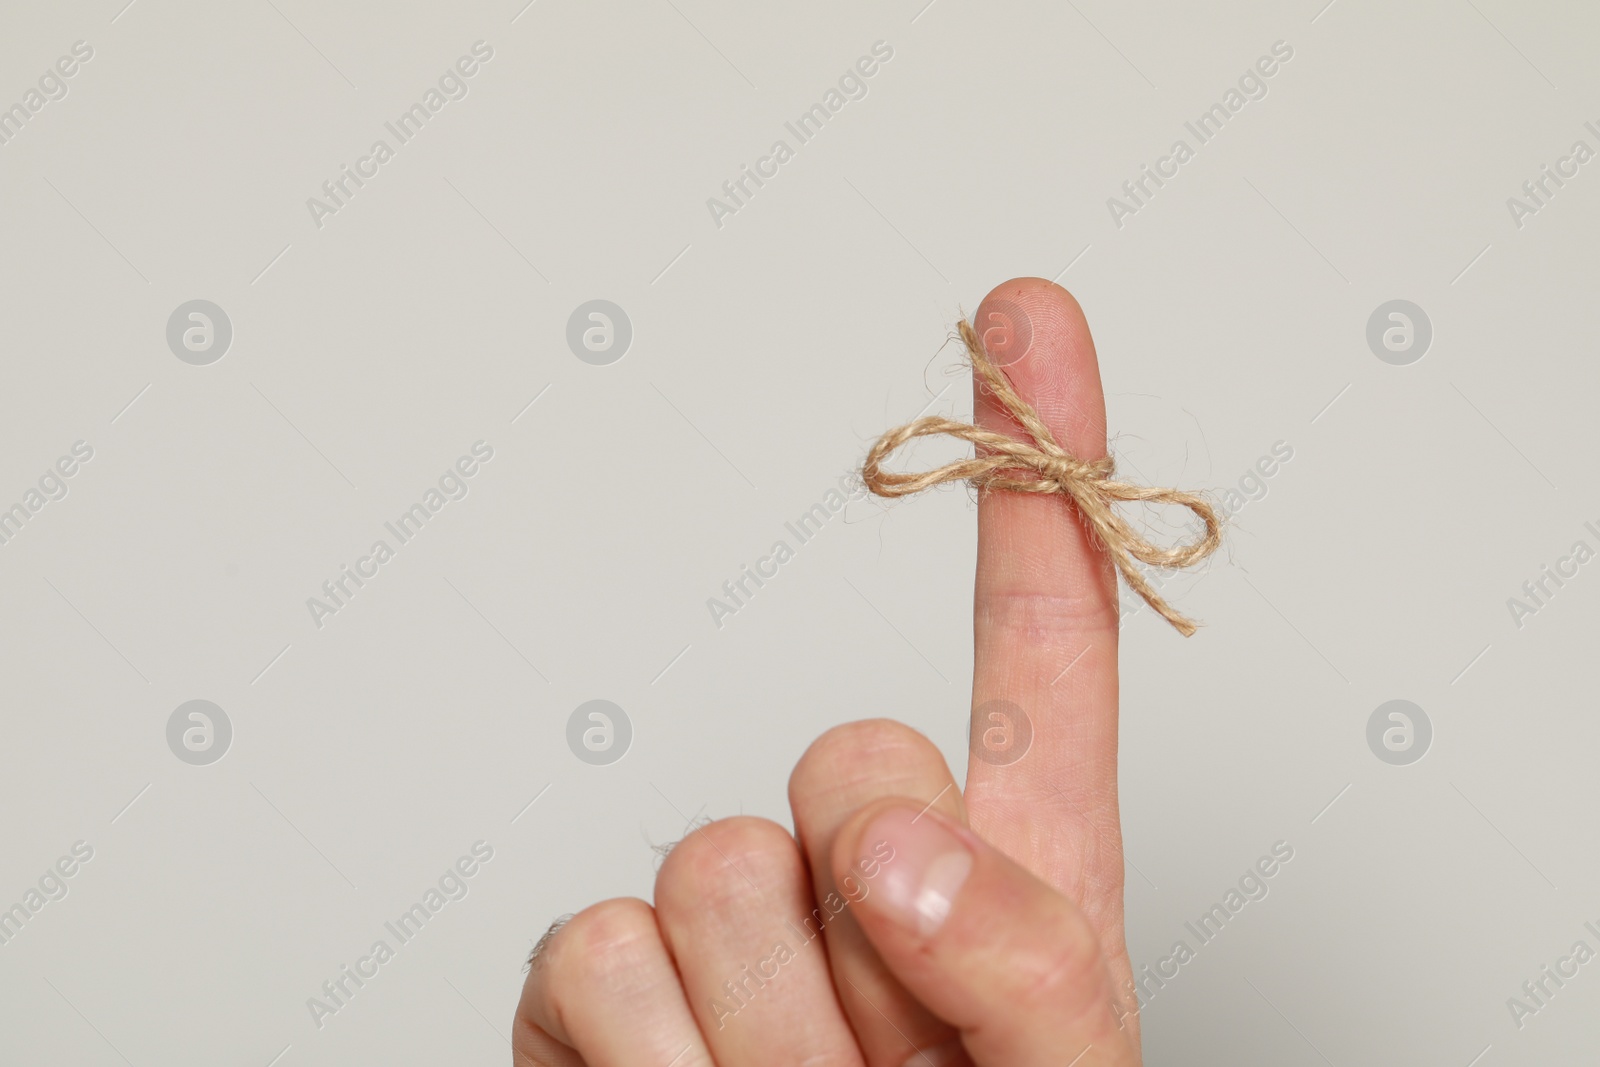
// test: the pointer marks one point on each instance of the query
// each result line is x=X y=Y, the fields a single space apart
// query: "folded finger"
x=605 y=991
x=734 y=900
x=843 y=770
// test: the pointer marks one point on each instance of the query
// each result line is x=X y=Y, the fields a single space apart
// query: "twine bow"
x=1041 y=465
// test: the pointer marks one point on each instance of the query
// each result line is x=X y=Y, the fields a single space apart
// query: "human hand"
x=911 y=922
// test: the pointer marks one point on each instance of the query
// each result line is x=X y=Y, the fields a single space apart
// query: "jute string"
x=1041 y=465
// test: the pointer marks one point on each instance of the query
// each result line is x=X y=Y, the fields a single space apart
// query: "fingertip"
x=848 y=853
x=1037 y=332
x=855 y=762
x=1037 y=291
x=925 y=862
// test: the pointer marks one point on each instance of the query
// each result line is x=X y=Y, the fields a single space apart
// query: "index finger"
x=1041 y=783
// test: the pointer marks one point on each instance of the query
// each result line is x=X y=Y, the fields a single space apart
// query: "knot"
x=1066 y=472
x=1041 y=465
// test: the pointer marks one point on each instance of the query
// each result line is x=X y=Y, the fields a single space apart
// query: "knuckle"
x=603 y=941
x=604 y=951
x=726 y=862
x=871 y=750
x=1039 y=618
x=1063 y=972
x=532 y=1047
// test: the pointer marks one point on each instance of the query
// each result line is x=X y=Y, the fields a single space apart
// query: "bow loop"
x=1041 y=465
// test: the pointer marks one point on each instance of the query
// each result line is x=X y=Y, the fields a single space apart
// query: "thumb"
x=1012 y=964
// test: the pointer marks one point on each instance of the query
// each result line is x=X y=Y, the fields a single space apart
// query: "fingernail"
x=920 y=881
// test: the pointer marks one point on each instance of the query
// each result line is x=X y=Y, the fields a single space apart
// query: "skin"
x=993 y=932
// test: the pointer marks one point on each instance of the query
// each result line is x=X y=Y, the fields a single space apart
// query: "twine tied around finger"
x=1042 y=465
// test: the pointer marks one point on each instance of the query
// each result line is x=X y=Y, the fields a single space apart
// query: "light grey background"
x=431 y=310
